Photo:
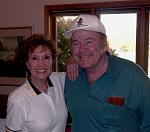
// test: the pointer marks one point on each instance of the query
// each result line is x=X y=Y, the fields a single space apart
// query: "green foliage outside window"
x=62 y=43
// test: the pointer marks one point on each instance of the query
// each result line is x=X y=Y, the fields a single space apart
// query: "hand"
x=72 y=69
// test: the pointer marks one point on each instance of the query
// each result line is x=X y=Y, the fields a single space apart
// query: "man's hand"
x=72 y=69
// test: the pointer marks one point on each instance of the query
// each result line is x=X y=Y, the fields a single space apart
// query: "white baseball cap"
x=86 y=22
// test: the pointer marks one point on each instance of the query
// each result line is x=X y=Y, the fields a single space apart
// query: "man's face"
x=87 y=48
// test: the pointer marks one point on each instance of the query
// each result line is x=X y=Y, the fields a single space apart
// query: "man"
x=111 y=94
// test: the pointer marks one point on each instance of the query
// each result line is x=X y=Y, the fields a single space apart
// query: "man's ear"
x=106 y=48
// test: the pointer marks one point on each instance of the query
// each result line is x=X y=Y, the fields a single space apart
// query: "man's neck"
x=94 y=73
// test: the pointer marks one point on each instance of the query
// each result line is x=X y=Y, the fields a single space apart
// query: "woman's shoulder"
x=57 y=75
x=18 y=93
x=58 y=78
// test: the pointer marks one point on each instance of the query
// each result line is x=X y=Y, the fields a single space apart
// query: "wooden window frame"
x=142 y=31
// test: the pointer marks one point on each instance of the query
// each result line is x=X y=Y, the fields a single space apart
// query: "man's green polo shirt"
x=118 y=101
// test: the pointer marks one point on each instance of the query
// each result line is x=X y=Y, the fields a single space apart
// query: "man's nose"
x=83 y=47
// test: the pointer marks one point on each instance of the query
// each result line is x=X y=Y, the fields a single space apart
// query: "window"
x=121 y=34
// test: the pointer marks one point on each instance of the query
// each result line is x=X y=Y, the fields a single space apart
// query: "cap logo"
x=80 y=22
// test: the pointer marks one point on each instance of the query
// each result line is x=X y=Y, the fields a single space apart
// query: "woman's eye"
x=47 y=57
x=34 y=58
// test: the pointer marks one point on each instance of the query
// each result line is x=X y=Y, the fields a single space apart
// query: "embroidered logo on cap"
x=80 y=22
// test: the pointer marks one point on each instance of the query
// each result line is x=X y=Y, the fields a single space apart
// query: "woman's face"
x=40 y=63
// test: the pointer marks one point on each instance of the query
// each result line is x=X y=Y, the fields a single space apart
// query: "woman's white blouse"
x=31 y=112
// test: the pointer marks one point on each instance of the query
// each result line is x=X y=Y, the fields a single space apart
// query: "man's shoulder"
x=128 y=66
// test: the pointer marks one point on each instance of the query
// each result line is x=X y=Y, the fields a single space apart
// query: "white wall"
x=15 y=13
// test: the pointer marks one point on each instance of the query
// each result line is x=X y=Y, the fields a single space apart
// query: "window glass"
x=121 y=34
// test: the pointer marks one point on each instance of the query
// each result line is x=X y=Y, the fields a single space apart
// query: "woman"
x=38 y=105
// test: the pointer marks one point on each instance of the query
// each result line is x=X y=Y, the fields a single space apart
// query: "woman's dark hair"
x=29 y=45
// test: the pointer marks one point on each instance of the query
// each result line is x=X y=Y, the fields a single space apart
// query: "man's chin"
x=85 y=66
